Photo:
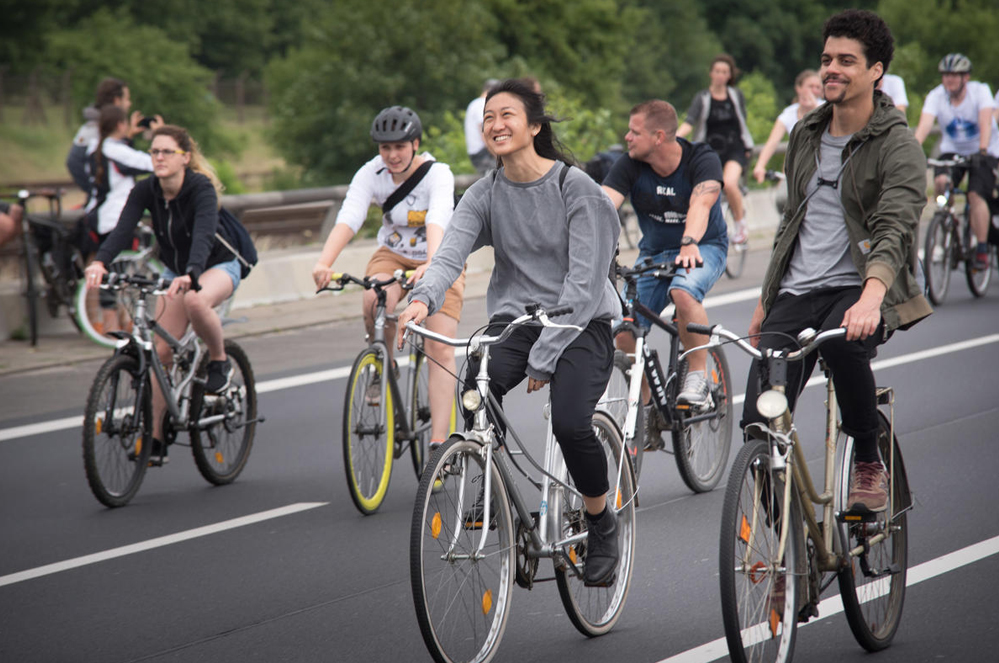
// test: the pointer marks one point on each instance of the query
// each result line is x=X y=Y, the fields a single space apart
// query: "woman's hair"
x=108 y=90
x=800 y=79
x=730 y=61
x=111 y=117
x=199 y=163
x=546 y=143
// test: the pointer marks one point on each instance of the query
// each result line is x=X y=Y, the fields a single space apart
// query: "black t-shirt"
x=661 y=203
x=722 y=129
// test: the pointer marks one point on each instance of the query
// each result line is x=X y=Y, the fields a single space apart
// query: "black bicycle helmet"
x=396 y=124
x=955 y=63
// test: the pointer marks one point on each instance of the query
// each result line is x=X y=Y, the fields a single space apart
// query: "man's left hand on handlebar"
x=416 y=312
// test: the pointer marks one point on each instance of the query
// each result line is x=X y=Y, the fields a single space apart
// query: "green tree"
x=161 y=76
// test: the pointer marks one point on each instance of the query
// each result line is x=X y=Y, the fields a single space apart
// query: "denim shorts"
x=654 y=292
x=232 y=268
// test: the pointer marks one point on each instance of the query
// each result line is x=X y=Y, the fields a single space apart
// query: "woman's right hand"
x=95 y=273
x=321 y=275
x=760 y=172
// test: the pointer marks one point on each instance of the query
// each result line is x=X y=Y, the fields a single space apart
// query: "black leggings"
x=850 y=361
x=580 y=378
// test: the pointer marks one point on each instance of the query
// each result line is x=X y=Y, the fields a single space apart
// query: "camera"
x=146 y=122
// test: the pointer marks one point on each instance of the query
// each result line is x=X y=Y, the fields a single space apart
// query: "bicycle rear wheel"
x=938 y=255
x=368 y=432
x=595 y=610
x=420 y=423
x=736 y=261
x=461 y=576
x=117 y=432
x=978 y=279
x=616 y=405
x=701 y=448
x=92 y=318
x=873 y=585
x=759 y=592
x=222 y=448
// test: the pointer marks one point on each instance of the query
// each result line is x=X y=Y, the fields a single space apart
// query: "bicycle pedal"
x=857 y=516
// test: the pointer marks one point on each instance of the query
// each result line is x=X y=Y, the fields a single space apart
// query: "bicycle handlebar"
x=535 y=312
x=956 y=160
x=809 y=339
x=115 y=281
x=368 y=282
x=773 y=176
x=662 y=270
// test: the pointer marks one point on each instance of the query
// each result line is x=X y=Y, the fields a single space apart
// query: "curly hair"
x=866 y=27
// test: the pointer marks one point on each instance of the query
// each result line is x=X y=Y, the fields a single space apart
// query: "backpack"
x=600 y=165
x=233 y=236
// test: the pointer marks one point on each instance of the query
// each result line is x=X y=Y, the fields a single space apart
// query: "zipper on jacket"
x=166 y=206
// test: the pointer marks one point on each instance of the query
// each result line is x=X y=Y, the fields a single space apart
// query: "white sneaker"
x=695 y=389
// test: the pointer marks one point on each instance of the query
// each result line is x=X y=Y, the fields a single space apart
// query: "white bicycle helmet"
x=955 y=63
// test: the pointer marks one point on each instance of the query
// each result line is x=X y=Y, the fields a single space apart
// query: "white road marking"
x=718 y=649
x=158 y=542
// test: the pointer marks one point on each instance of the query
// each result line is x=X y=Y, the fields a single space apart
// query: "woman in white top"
x=410 y=234
x=808 y=95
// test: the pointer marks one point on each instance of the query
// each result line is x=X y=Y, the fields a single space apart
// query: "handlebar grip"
x=559 y=310
x=695 y=328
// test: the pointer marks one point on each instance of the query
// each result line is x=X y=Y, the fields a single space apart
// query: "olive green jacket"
x=883 y=190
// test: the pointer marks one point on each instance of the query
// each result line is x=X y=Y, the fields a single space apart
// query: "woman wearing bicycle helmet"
x=410 y=234
x=553 y=233
x=719 y=115
x=182 y=200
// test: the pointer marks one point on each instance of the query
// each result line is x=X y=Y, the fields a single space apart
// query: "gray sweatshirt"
x=551 y=247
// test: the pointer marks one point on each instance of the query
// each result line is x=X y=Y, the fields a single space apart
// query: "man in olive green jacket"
x=856 y=188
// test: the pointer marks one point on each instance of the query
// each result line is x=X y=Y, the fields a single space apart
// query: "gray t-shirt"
x=552 y=247
x=822 y=257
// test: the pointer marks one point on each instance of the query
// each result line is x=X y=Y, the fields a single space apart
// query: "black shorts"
x=981 y=179
x=735 y=153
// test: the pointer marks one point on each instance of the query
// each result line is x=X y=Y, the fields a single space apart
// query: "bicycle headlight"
x=471 y=400
x=941 y=201
x=771 y=404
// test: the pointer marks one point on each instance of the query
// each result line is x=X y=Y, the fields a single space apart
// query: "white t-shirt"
x=789 y=116
x=894 y=87
x=959 y=124
x=473 y=126
x=404 y=229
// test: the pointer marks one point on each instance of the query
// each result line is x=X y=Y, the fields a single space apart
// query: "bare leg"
x=441 y=376
x=732 y=175
x=200 y=306
x=595 y=505
x=690 y=310
x=369 y=302
x=979 y=216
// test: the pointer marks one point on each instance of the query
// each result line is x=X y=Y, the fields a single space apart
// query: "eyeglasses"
x=155 y=152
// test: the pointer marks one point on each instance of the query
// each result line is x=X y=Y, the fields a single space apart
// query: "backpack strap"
x=407 y=186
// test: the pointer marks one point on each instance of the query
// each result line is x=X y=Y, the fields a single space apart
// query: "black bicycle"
x=49 y=252
x=701 y=435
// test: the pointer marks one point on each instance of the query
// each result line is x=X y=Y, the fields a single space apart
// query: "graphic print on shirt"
x=961 y=129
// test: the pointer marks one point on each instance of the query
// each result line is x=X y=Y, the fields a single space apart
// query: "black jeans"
x=850 y=361
x=580 y=378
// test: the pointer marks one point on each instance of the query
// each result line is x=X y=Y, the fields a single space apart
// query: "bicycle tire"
x=760 y=617
x=31 y=294
x=222 y=449
x=368 y=434
x=978 y=279
x=937 y=256
x=735 y=262
x=595 y=610
x=616 y=405
x=419 y=413
x=115 y=453
x=444 y=577
x=701 y=449
x=873 y=613
x=127 y=262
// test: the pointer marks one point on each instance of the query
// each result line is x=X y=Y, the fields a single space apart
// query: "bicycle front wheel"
x=736 y=261
x=99 y=312
x=225 y=424
x=701 y=445
x=420 y=423
x=368 y=432
x=615 y=404
x=873 y=585
x=461 y=572
x=938 y=255
x=759 y=593
x=595 y=610
x=117 y=432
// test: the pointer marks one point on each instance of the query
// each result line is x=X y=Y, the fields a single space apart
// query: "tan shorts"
x=385 y=261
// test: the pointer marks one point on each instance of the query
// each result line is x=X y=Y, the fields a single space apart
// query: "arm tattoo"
x=706 y=189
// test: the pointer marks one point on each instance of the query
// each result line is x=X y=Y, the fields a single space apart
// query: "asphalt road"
x=280 y=566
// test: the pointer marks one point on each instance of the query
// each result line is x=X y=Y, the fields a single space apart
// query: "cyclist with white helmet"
x=963 y=108
x=411 y=231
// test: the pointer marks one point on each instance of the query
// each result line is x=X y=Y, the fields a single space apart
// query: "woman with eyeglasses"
x=182 y=200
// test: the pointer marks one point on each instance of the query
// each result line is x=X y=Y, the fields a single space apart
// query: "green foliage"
x=761 y=105
x=161 y=76
x=446 y=141
x=227 y=175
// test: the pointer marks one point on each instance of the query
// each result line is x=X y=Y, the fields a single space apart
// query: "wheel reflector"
x=774 y=622
x=487 y=602
x=435 y=525
x=745 y=531
x=98 y=425
x=218 y=457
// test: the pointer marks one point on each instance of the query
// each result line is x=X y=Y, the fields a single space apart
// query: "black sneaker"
x=158 y=455
x=219 y=376
x=602 y=552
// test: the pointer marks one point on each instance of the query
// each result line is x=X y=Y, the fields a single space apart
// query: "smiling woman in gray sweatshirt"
x=553 y=232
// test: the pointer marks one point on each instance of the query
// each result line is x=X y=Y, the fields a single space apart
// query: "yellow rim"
x=373 y=502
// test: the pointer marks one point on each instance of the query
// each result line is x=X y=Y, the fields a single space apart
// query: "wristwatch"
x=688 y=240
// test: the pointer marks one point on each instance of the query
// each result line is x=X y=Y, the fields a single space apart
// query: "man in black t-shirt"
x=674 y=187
